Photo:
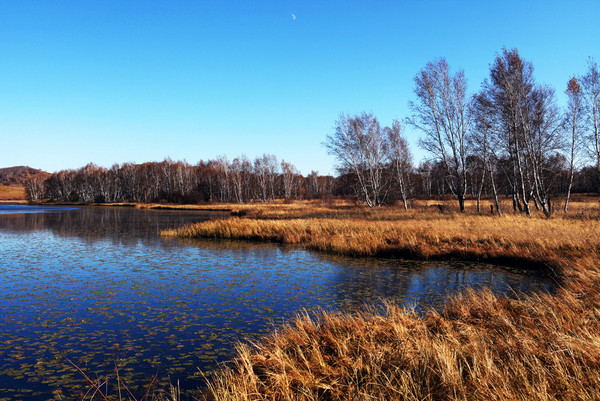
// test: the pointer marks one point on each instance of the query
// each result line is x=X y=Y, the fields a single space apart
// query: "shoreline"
x=137 y=205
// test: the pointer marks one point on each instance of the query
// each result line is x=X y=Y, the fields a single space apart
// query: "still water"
x=99 y=287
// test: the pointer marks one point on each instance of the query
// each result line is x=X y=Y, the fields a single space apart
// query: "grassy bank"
x=480 y=347
x=12 y=194
x=422 y=233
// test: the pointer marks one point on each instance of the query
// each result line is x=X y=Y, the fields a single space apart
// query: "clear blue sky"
x=134 y=81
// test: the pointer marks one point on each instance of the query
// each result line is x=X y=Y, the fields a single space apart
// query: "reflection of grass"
x=480 y=347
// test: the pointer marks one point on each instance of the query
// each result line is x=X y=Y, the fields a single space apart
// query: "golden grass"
x=481 y=347
x=419 y=234
x=10 y=193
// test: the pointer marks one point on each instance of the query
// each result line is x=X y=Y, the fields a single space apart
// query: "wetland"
x=99 y=286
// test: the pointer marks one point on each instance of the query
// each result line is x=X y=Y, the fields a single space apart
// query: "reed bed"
x=480 y=347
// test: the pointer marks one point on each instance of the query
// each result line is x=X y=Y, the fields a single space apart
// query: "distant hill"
x=16 y=176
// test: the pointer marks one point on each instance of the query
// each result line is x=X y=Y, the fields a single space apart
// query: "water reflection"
x=120 y=224
x=21 y=209
x=99 y=284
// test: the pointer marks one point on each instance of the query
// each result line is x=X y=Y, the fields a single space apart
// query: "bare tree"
x=312 y=184
x=525 y=124
x=237 y=178
x=248 y=178
x=34 y=188
x=573 y=124
x=543 y=139
x=221 y=166
x=441 y=114
x=360 y=147
x=424 y=173
x=265 y=169
x=289 y=175
x=483 y=144
x=590 y=83
x=400 y=159
x=510 y=85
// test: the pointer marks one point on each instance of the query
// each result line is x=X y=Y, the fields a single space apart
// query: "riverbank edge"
x=137 y=205
x=302 y=359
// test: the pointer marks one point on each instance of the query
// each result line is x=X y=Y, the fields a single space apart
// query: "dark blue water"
x=17 y=209
x=99 y=287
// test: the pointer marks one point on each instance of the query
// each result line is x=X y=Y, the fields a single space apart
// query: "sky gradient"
x=134 y=81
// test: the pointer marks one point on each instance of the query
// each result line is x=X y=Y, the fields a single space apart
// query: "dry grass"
x=421 y=234
x=10 y=193
x=481 y=347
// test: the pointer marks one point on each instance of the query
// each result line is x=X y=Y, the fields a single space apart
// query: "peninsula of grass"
x=480 y=347
x=421 y=233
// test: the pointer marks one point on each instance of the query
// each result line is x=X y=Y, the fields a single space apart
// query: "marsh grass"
x=512 y=239
x=480 y=347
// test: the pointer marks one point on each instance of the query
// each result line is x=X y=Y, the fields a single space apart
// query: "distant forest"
x=510 y=139
x=265 y=179
x=240 y=180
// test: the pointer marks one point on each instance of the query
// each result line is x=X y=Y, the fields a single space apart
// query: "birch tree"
x=34 y=188
x=289 y=175
x=484 y=145
x=400 y=159
x=441 y=114
x=360 y=147
x=509 y=86
x=265 y=170
x=590 y=83
x=573 y=125
x=526 y=125
x=543 y=139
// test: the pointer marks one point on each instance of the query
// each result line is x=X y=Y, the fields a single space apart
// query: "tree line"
x=240 y=180
x=509 y=138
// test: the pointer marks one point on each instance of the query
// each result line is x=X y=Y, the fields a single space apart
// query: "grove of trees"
x=367 y=152
x=509 y=138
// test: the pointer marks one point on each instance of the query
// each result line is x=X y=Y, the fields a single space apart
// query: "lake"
x=98 y=287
